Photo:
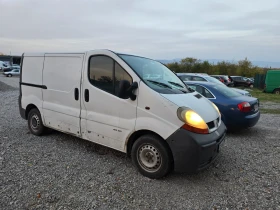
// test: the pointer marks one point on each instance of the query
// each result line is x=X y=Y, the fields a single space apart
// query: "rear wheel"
x=251 y=86
x=151 y=156
x=276 y=91
x=35 y=123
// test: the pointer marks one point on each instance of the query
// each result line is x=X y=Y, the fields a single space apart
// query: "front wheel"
x=152 y=156
x=251 y=86
x=35 y=123
x=276 y=91
x=9 y=75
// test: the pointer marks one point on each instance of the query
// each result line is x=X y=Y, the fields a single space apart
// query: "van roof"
x=39 y=54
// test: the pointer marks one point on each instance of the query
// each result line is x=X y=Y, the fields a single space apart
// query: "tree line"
x=192 y=65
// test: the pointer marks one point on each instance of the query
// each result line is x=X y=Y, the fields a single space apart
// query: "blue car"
x=237 y=111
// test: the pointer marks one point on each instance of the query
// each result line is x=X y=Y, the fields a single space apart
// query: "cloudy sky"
x=160 y=29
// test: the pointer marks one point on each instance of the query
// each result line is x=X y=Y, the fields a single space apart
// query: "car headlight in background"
x=193 y=122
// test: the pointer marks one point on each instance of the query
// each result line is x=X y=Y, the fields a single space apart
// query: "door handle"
x=76 y=94
x=86 y=95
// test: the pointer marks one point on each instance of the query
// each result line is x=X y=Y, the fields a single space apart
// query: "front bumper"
x=193 y=152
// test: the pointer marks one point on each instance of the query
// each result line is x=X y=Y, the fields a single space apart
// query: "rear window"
x=226 y=91
x=185 y=77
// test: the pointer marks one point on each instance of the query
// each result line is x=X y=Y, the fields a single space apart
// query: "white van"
x=107 y=98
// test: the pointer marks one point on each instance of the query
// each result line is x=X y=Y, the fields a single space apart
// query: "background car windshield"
x=155 y=75
x=211 y=79
x=226 y=91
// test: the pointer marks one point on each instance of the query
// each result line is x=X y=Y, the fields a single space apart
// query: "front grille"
x=212 y=125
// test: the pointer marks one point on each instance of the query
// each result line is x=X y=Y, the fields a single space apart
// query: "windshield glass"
x=156 y=75
x=226 y=91
x=212 y=79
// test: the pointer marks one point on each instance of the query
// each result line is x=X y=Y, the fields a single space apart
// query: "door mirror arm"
x=131 y=89
x=126 y=90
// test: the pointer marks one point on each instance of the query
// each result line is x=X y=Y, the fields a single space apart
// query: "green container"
x=272 y=81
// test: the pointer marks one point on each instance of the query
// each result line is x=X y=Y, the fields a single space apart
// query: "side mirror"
x=126 y=90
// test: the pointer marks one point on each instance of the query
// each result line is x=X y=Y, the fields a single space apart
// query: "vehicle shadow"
x=84 y=146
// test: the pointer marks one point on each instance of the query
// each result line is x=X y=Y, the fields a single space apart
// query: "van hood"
x=196 y=102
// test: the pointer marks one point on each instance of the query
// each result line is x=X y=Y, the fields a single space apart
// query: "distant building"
x=10 y=59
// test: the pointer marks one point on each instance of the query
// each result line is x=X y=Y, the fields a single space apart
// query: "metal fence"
x=259 y=81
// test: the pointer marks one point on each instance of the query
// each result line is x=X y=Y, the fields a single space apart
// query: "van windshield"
x=156 y=75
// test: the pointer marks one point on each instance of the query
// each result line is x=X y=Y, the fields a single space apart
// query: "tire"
x=276 y=91
x=9 y=75
x=152 y=156
x=35 y=123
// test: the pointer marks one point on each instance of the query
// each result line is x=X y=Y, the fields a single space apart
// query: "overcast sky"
x=205 y=29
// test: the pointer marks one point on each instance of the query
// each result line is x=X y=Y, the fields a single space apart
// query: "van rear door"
x=61 y=98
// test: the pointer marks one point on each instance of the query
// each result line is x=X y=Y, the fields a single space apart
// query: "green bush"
x=193 y=65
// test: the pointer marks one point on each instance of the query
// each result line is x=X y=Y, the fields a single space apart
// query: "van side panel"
x=272 y=80
x=32 y=75
x=61 y=76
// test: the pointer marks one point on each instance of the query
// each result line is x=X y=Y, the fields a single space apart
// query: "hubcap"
x=149 y=158
x=35 y=122
x=277 y=92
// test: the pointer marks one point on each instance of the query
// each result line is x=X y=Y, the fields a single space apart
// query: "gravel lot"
x=58 y=171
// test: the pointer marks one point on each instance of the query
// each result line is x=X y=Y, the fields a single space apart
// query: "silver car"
x=14 y=72
x=206 y=78
x=242 y=92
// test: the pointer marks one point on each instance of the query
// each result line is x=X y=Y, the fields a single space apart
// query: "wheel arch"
x=134 y=136
x=29 y=108
x=276 y=89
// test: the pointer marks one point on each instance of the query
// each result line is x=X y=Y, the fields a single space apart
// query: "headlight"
x=193 y=122
x=216 y=108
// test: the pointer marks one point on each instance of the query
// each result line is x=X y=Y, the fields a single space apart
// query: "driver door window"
x=106 y=74
x=120 y=74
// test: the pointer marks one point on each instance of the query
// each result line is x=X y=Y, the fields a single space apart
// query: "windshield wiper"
x=159 y=83
x=182 y=88
x=191 y=90
x=176 y=84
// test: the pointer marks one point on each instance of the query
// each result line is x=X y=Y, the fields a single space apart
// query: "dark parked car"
x=224 y=79
x=237 y=111
x=242 y=81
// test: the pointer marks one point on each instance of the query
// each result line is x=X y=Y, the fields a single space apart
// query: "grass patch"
x=270 y=111
x=257 y=93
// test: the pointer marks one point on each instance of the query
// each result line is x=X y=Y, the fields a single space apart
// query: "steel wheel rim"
x=35 y=122
x=149 y=158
